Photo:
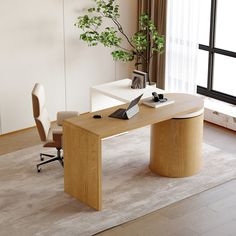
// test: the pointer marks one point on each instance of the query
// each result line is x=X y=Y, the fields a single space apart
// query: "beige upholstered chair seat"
x=62 y=115
x=54 y=138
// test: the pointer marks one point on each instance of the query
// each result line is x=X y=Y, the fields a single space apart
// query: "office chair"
x=49 y=135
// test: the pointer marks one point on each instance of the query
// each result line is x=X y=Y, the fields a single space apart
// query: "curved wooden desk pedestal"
x=176 y=147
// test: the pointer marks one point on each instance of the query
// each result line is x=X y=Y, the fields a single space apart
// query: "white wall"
x=34 y=34
x=31 y=51
x=129 y=22
x=85 y=66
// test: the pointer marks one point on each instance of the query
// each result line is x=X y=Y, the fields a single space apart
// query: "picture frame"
x=139 y=79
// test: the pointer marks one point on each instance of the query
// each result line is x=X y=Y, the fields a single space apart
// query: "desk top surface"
x=121 y=90
x=107 y=126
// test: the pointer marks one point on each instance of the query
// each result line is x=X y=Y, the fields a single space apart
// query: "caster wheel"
x=38 y=169
x=41 y=157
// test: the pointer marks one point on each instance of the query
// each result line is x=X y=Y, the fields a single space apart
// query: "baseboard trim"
x=220 y=113
x=17 y=131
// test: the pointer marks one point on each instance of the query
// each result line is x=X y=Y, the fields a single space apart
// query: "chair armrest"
x=56 y=136
x=62 y=115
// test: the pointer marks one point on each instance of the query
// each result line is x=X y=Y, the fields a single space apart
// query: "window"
x=217 y=54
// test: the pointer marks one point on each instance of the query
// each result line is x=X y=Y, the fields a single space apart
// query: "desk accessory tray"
x=149 y=102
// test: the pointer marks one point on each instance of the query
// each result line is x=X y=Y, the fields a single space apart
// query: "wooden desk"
x=82 y=143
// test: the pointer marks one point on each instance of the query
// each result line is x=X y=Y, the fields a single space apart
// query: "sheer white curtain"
x=182 y=45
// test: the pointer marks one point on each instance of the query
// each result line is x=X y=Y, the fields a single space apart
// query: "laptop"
x=129 y=112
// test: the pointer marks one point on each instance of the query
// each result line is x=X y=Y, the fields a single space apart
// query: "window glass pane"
x=225 y=75
x=202 y=68
x=225 y=29
x=204 y=21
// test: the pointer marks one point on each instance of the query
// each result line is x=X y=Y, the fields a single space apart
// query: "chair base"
x=42 y=155
x=58 y=157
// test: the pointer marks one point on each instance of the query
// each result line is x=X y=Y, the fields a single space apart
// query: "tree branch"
x=125 y=49
x=119 y=27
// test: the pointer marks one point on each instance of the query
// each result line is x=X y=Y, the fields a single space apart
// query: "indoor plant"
x=143 y=45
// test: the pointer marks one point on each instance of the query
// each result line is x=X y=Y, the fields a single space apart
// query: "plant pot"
x=152 y=84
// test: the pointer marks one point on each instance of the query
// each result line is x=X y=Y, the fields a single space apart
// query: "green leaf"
x=122 y=55
x=147 y=38
x=109 y=37
x=140 y=40
x=90 y=10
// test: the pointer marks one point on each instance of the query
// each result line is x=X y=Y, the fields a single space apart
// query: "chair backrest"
x=41 y=116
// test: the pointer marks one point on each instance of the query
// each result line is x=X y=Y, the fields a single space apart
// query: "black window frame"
x=212 y=50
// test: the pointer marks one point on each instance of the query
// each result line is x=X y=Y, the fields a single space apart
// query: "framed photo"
x=139 y=79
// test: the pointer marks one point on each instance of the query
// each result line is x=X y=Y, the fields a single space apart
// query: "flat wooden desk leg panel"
x=82 y=165
x=176 y=147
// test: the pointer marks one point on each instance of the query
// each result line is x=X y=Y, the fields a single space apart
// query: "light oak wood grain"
x=82 y=165
x=82 y=142
x=18 y=140
x=106 y=127
x=176 y=147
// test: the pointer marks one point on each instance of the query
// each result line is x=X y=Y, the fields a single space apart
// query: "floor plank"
x=18 y=140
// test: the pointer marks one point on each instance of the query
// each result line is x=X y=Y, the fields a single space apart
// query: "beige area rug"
x=34 y=203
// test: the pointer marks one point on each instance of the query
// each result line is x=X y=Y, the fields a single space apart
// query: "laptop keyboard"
x=118 y=113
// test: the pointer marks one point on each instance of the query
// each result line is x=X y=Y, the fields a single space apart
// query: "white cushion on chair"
x=44 y=120
x=62 y=115
x=54 y=130
x=39 y=94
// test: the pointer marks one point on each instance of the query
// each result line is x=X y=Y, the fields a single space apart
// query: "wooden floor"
x=18 y=140
x=212 y=212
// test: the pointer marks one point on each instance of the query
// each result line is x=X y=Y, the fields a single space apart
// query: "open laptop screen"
x=134 y=102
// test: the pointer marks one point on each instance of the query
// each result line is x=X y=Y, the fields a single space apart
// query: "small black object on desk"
x=97 y=116
x=158 y=97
